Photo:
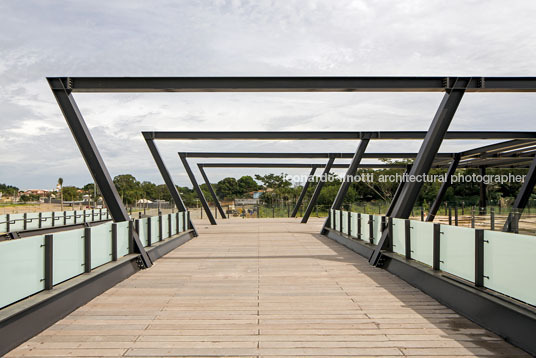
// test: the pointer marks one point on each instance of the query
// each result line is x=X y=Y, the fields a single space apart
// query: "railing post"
x=131 y=235
x=85 y=219
x=87 y=250
x=450 y=215
x=407 y=226
x=25 y=223
x=359 y=226
x=479 y=258
x=100 y=213
x=492 y=219
x=65 y=218
x=160 y=228
x=40 y=218
x=389 y=242
x=53 y=219
x=75 y=219
x=114 y=242
x=349 y=223
x=436 y=247
x=456 y=216
x=340 y=221
x=170 y=233
x=422 y=213
x=149 y=230
x=371 y=228
x=49 y=262
x=473 y=217
x=177 y=222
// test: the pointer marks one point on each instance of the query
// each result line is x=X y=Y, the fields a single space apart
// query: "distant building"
x=241 y=202
x=40 y=192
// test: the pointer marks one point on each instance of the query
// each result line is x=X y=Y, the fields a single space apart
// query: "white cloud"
x=239 y=38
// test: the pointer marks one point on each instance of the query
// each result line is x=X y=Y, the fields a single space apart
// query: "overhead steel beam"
x=212 y=192
x=335 y=135
x=300 y=165
x=175 y=195
x=482 y=203
x=307 y=155
x=94 y=161
x=295 y=84
x=496 y=147
x=318 y=189
x=303 y=192
x=443 y=189
x=424 y=160
x=197 y=189
x=522 y=198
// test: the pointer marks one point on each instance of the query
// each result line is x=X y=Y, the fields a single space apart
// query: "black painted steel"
x=212 y=192
x=316 y=193
x=93 y=159
x=522 y=198
x=443 y=189
x=303 y=193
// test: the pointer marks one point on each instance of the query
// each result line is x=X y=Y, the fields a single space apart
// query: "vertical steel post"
x=149 y=231
x=359 y=216
x=436 y=247
x=87 y=250
x=197 y=189
x=479 y=258
x=304 y=192
x=318 y=189
x=114 y=241
x=211 y=191
x=49 y=259
x=492 y=219
x=456 y=215
x=425 y=157
x=92 y=157
x=407 y=227
x=443 y=188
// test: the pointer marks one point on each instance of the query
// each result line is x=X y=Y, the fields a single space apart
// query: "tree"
x=9 y=190
x=128 y=187
x=70 y=193
x=246 y=184
x=227 y=188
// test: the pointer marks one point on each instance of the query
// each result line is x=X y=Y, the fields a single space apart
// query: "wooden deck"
x=267 y=287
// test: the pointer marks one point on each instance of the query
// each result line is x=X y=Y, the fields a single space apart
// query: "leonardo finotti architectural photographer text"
x=408 y=178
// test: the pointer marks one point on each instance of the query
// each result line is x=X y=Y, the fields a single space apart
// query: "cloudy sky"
x=245 y=38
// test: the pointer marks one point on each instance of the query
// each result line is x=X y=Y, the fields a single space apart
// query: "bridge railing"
x=499 y=261
x=49 y=219
x=32 y=264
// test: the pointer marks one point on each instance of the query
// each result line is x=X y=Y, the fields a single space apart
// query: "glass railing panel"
x=181 y=222
x=457 y=251
x=365 y=227
x=101 y=244
x=165 y=227
x=173 y=224
x=32 y=221
x=23 y=268
x=67 y=255
x=17 y=223
x=344 y=222
x=70 y=217
x=143 y=232
x=422 y=241
x=337 y=219
x=154 y=229
x=377 y=229
x=399 y=236
x=331 y=218
x=122 y=238
x=353 y=224
x=509 y=264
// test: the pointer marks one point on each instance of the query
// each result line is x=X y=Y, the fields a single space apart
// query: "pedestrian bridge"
x=264 y=287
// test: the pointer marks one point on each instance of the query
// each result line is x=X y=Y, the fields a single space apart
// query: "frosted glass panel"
x=70 y=217
x=457 y=251
x=16 y=222
x=122 y=238
x=68 y=255
x=32 y=221
x=365 y=227
x=22 y=268
x=422 y=241
x=337 y=220
x=143 y=231
x=3 y=226
x=181 y=222
x=509 y=263
x=353 y=224
x=101 y=244
x=377 y=228
x=344 y=222
x=154 y=229
x=331 y=218
x=165 y=226
x=173 y=224
x=399 y=236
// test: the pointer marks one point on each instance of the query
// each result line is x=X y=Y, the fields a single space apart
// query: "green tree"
x=128 y=187
x=227 y=188
x=246 y=184
x=70 y=193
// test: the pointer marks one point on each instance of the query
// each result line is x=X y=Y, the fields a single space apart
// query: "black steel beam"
x=177 y=199
x=295 y=84
x=334 y=135
x=522 y=198
x=316 y=193
x=303 y=192
x=482 y=203
x=397 y=193
x=423 y=162
x=298 y=165
x=212 y=192
x=443 y=189
x=307 y=155
x=197 y=189
x=93 y=159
